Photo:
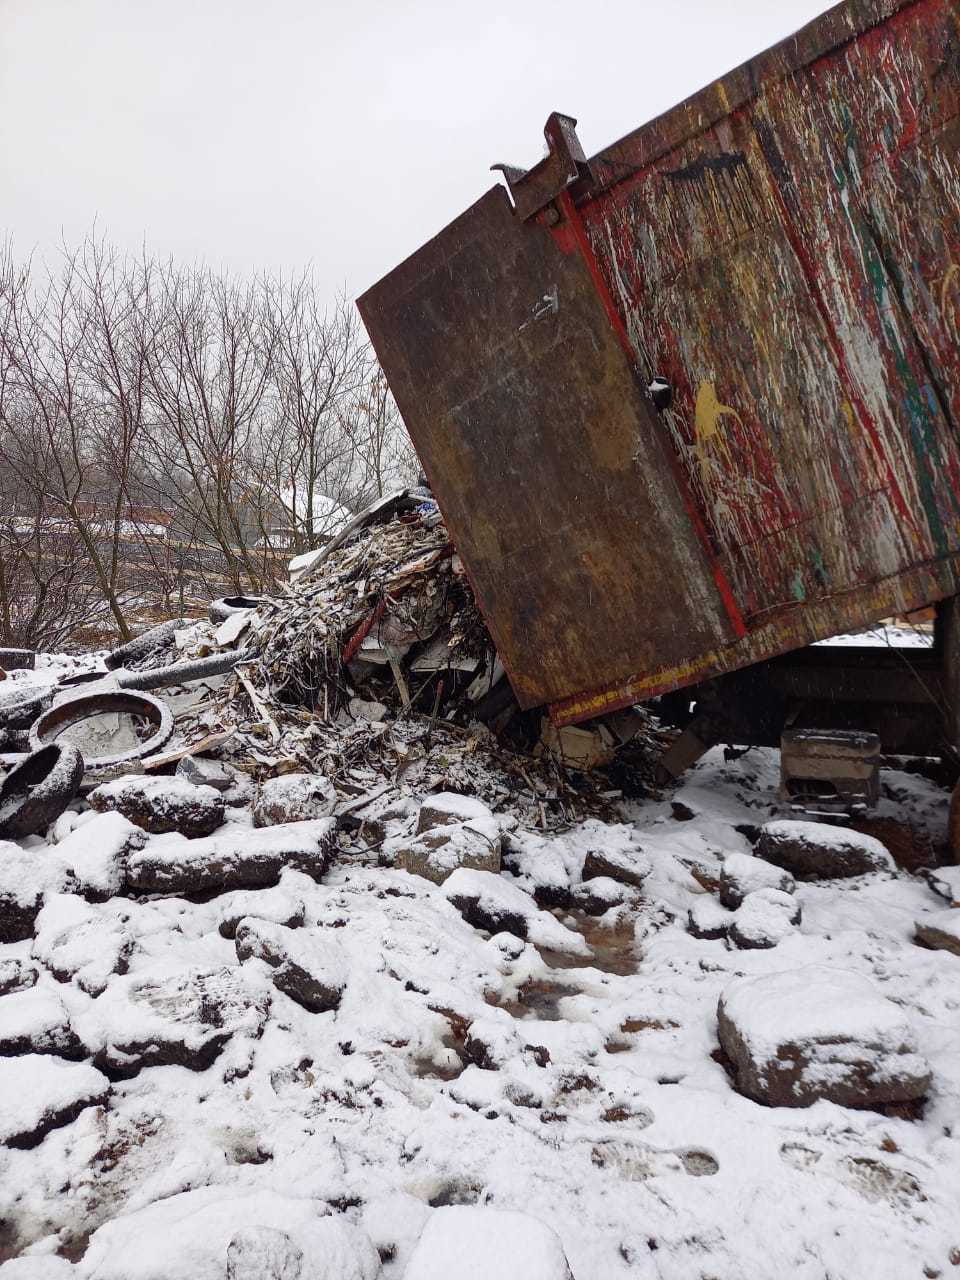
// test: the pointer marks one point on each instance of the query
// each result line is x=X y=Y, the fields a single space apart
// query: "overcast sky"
x=273 y=134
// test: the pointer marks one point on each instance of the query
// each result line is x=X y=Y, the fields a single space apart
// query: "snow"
x=813 y=1003
x=188 y=1236
x=35 y=1086
x=566 y=1078
x=829 y=836
x=93 y=855
x=888 y=635
x=483 y=1244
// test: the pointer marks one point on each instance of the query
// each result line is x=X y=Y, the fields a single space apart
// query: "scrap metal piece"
x=564 y=164
x=85 y=706
x=829 y=771
x=37 y=790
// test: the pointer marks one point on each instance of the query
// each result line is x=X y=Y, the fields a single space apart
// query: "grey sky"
x=276 y=133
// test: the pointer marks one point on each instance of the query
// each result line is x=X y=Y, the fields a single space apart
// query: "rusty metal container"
x=784 y=249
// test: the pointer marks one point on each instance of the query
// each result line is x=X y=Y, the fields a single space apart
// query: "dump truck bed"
x=783 y=248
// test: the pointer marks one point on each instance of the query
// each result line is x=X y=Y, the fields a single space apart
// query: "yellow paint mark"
x=708 y=414
x=953 y=274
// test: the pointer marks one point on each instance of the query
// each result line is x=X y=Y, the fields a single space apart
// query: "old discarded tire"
x=65 y=715
x=37 y=791
x=221 y=610
x=17 y=659
x=19 y=709
x=142 y=647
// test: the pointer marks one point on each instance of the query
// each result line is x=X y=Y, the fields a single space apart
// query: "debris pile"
x=374 y=665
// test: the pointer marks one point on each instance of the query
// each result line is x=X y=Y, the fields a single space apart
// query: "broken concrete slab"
x=442 y=850
x=94 y=855
x=39 y=1093
x=235 y=858
x=628 y=866
x=741 y=875
x=599 y=894
x=309 y=967
x=277 y=905
x=17 y=975
x=80 y=942
x=452 y=831
x=940 y=930
x=709 y=920
x=764 y=918
x=816 y=1032
x=294 y=797
x=818 y=851
x=26 y=874
x=447 y=808
x=494 y=903
x=160 y=805
x=183 y=1018
x=201 y=772
x=35 y=1020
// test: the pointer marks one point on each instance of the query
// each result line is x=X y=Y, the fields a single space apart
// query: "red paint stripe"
x=361 y=633
x=572 y=215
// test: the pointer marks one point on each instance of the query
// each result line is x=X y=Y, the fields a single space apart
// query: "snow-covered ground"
x=574 y=1076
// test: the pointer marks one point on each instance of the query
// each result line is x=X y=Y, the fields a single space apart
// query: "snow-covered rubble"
x=271 y=1051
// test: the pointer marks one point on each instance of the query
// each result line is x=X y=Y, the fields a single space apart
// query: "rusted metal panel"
x=785 y=248
x=552 y=474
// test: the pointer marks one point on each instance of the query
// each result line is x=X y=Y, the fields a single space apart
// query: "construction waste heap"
x=372 y=666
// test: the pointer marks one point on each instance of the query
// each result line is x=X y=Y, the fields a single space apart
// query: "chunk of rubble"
x=277 y=905
x=309 y=967
x=26 y=874
x=940 y=930
x=36 y=1021
x=538 y=868
x=818 y=851
x=159 y=805
x=223 y=1231
x=17 y=975
x=741 y=874
x=452 y=831
x=94 y=855
x=201 y=772
x=816 y=1032
x=763 y=919
x=294 y=797
x=501 y=1244
x=183 y=1019
x=628 y=866
x=709 y=920
x=81 y=942
x=599 y=894
x=39 y=1093
x=448 y=809
x=236 y=858
x=491 y=902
